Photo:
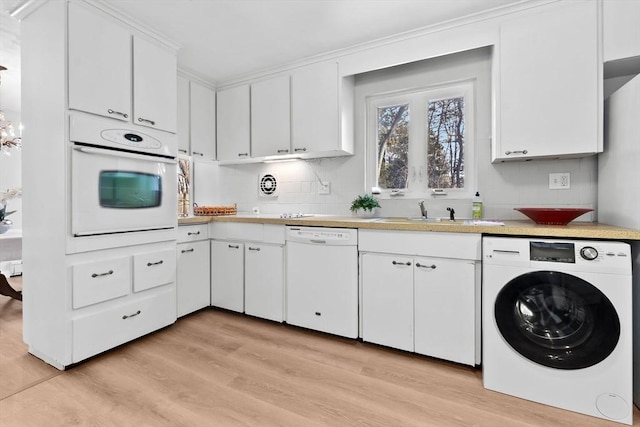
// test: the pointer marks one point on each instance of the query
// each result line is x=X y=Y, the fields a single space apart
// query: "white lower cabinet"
x=444 y=301
x=108 y=328
x=193 y=289
x=387 y=300
x=264 y=281
x=227 y=275
x=117 y=295
x=424 y=304
x=247 y=268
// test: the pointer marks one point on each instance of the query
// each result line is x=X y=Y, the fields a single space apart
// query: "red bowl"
x=553 y=216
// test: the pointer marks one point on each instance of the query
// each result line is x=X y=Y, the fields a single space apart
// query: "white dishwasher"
x=322 y=279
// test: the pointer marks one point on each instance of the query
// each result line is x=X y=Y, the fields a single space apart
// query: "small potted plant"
x=366 y=203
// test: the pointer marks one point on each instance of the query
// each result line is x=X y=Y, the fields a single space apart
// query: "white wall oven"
x=122 y=179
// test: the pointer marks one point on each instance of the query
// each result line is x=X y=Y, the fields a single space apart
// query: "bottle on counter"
x=476 y=207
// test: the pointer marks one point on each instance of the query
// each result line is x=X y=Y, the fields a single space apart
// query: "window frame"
x=418 y=99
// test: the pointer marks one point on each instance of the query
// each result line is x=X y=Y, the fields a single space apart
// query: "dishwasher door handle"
x=320 y=242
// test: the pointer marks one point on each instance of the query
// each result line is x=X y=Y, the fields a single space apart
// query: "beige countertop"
x=587 y=230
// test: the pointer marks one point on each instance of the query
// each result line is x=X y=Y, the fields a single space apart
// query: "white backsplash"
x=502 y=186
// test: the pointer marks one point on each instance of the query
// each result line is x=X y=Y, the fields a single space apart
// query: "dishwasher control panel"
x=330 y=236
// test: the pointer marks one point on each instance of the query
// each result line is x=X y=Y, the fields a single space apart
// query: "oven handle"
x=101 y=151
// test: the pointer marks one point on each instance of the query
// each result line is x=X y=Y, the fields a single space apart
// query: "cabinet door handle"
x=243 y=154
x=283 y=151
x=432 y=266
x=297 y=150
x=516 y=152
x=197 y=153
x=151 y=122
x=400 y=263
x=126 y=316
x=234 y=247
x=108 y=273
x=118 y=113
x=186 y=250
x=180 y=150
x=193 y=233
x=254 y=249
x=149 y=264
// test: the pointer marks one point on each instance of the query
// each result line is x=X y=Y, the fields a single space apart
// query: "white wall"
x=502 y=186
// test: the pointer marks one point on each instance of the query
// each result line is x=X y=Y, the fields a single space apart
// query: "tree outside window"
x=430 y=152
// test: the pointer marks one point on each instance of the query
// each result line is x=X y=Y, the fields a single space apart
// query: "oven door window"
x=129 y=190
x=557 y=320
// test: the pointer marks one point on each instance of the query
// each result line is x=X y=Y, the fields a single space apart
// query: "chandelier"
x=8 y=138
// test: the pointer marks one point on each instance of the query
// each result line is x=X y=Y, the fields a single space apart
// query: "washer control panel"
x=571 y=255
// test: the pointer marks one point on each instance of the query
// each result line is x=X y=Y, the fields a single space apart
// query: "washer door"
x=557 y=320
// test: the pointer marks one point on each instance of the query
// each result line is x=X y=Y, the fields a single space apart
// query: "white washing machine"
x=557 y=323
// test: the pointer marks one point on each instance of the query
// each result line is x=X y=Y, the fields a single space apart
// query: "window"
x=423 y=140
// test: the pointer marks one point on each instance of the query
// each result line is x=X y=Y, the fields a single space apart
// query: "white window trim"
x=417 y=109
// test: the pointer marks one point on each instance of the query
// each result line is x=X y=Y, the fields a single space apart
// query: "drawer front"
x=109 y=328
x=151 y=269
x=192 y=233
x=432 y=244
x=95 y=282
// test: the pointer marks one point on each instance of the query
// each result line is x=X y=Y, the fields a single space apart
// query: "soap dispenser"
x=476 y=207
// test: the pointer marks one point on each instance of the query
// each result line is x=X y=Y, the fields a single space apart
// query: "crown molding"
x=110 y=10
x=26 y=8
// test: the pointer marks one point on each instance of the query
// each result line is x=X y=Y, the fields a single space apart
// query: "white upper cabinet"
x=549 y=84
x=203 y=122
x=117 y=75
x=99 y=64
x=183 y=114
x=154 y=85
x=621 y=22
x=271 y=117
x=318 y=99
x=233 y=124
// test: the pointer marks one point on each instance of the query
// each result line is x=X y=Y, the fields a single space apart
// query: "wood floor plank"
x=215 y=368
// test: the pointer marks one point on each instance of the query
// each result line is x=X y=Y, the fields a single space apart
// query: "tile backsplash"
x=503 y=186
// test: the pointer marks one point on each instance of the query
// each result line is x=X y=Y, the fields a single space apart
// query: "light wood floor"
x=215 y=368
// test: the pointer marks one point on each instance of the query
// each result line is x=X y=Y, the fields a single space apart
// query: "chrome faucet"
x=423 y=209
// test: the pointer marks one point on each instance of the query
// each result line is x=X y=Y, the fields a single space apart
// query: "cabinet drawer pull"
x=197 y=153
x=515 y=152
x=234 y=247
x=432 y=266
x=151 y=122
x=149 y=264
x=186 y=250
x=400 y=263
x=125 y=115
x=283 y=151
x=108 y=273
x=297 y=150
x=254 y=249
x=243 y=154
x=126 y=316
x=193 y=233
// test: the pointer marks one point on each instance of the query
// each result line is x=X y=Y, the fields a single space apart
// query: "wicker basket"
x=214 y=210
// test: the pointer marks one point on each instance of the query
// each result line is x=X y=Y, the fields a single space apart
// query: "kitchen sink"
x=414 y=218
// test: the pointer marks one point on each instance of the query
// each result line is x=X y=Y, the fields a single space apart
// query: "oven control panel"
x=130 y=139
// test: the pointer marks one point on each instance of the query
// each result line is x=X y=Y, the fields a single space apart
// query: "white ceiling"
x=224 y=39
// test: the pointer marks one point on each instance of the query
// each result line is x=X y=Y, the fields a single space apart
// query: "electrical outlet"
x=324 y=187
x=560 y=181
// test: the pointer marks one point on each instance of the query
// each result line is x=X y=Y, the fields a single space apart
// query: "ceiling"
x=224 y=39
